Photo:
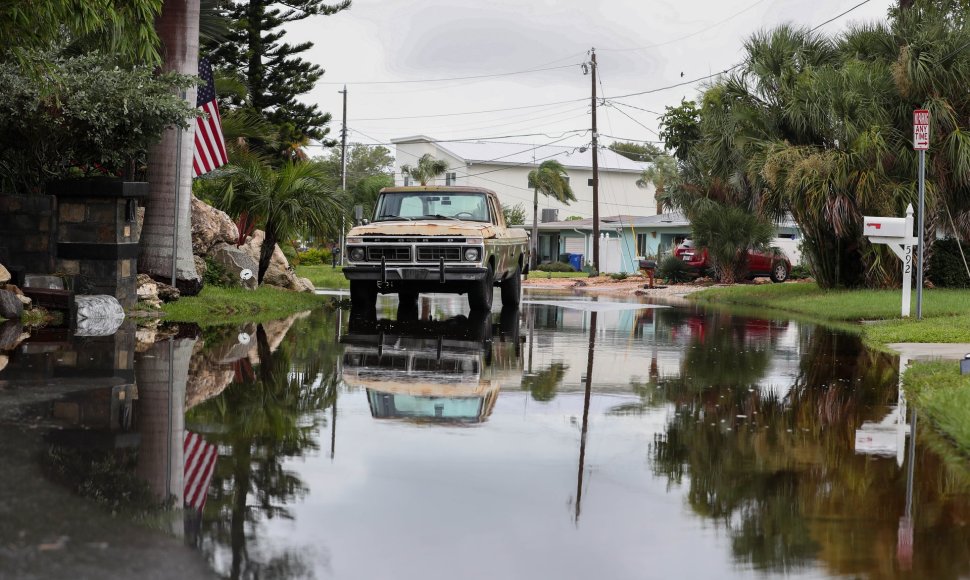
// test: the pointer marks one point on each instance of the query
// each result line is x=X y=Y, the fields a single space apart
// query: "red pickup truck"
x=773 y=263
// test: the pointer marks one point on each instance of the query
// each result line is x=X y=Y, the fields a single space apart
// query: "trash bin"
x=576 y=261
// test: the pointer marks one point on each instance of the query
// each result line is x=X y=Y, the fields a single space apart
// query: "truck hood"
x=425 y=228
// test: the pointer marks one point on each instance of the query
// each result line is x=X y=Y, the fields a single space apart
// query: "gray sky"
x=639 y=45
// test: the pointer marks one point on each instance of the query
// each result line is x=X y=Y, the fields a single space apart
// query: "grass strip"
x=214 y=305
x=324 y=276
x=942 y=395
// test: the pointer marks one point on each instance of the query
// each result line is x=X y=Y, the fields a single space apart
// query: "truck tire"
x=363 y=297
x=480 y=293
x=779 y=272
x=512 y=289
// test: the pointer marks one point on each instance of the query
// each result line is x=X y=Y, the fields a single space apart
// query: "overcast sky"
x=640 y=45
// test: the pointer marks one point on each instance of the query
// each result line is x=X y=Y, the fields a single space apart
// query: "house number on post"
x=897 y=233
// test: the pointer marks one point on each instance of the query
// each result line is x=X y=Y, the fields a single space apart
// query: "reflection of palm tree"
x=261 y=424
x=545 y=383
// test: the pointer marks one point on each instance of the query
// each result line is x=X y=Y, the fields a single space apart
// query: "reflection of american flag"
x=200 y=462
x=210 y=147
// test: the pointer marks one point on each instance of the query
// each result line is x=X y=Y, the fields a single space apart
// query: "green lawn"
x=537 y=275
x=946 y=313
x=214 y=305
x=942 y=395
x=323 y=276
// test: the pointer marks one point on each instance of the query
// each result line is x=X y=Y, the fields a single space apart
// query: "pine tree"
x=272 y=69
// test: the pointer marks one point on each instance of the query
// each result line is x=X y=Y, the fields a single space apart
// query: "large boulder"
x=210 y=227
x=147 y=291
x=98 y=315
x=10 y=306
x=279 y=273
x=240 y=264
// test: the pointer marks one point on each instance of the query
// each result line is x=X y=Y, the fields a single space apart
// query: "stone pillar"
x=97 y=237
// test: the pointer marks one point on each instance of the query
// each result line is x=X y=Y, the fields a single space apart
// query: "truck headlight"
x=472 y=255
x=357 y=254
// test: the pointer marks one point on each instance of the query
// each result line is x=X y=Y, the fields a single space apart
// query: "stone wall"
x=27 y=229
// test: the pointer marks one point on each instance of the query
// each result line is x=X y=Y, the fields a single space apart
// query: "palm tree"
x=550 y=179
x=427 y=169
x=728 y=233
x=178 y=29
x=662 y=171
x=293 y=198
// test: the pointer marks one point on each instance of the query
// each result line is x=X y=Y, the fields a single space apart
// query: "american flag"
x=200 y=462
x=210 y=147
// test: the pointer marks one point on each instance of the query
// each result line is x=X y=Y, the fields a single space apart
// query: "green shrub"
x=799 y=272
x=315 y=257
x=217 y=275
x=946 y=265
x=289 y=251
x=619 y=276
x=554 y=267
x=674 y=270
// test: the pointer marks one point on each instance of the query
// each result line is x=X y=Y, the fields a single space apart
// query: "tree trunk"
x=534 y=259
x=170 y=161
x=266 y=251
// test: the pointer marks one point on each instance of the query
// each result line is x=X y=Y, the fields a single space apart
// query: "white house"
x=504 y=168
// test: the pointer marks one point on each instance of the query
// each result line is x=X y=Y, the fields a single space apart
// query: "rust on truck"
x=445 y=239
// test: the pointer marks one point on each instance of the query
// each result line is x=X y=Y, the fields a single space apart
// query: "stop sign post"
x=921 y=142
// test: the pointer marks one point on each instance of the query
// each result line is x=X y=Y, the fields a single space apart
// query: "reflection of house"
x=504 y=168
x=627 y=238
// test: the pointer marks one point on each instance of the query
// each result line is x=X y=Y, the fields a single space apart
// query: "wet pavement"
x=574 y=437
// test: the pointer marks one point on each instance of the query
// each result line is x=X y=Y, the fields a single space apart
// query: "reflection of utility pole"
x=343 y=172
x=582 y=437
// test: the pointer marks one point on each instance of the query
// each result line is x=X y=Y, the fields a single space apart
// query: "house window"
x=642 y=245
x=406 y=177
x=451 y=178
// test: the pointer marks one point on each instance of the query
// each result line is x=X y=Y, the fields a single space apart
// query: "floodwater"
x=573 y=438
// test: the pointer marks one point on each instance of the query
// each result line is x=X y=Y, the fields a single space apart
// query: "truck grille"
x=389 y=253
x=436 y=253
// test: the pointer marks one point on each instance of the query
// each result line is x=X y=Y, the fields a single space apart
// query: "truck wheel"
x=779 y=272
x=512 y=289
x=363 y=297
x=480 y=293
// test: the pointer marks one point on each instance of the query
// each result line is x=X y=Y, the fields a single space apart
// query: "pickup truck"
x=448 y=239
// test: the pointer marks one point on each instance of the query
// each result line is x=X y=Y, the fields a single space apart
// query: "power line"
x=637 y=108
x=727 y=70
x=691 y=35
x=505 y=74
x=502 y=110
x=624 y=113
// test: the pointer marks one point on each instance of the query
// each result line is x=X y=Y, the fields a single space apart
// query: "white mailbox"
x=885 y=227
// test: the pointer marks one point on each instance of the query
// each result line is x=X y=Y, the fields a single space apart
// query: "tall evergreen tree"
x=272 y=69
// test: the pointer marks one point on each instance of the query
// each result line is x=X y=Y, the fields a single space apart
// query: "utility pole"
x=343 y=171
x=596 y=172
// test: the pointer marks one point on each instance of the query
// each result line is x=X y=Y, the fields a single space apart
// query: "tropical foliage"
x=253 y=51
x=728 y=233
x=551 y=180
x=514 y=214
x=427 y=169
x=53 y=125
x=286 y=201
x=819 y=128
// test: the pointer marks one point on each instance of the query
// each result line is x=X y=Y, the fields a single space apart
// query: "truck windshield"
x=432 y=205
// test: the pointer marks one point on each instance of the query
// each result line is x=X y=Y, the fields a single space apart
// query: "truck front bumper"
x=427 y=274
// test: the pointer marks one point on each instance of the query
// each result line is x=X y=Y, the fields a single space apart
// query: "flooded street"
x=574 y=438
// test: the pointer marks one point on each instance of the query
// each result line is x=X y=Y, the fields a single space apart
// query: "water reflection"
x=442 y=371
x=729 y=441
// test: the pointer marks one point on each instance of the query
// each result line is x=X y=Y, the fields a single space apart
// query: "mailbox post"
x=897 y=233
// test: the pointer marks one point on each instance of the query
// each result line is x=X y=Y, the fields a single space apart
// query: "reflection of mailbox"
x=885 y=227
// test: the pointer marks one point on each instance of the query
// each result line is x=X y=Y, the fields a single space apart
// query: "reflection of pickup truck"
x=772 y=263
x=443 y=372
x=436 y=239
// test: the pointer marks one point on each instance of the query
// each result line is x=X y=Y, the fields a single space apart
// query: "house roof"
x=494 y=153
x=674 y=219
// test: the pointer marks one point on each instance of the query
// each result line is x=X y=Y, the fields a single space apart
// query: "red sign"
x=921 y=129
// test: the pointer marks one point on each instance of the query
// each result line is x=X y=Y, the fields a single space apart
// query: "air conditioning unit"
x=549 y=215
